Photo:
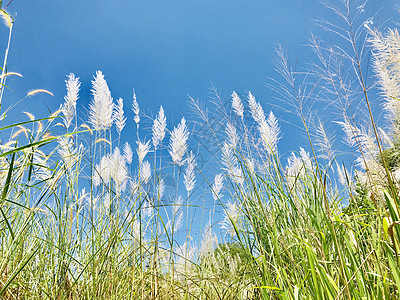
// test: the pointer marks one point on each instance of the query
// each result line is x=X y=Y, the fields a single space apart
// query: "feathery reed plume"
x=69 y=107
x=112 y=167
x=102 y=106
x=256 y=110
x=69 y=154
x=230 y=163
x=217 y=186
x=387 y=69
x=128 y=153
x=325 y=143
x=145 y=171
x=269 y=129
x=159 y=127
x=178 y=143
x=175 y=223
x=298 y=168
x=352 y=133
x=189 y=178
x=142 y=150
x=135 y=108
x=120 y=119
x=237 y=105
x=342 y=174
x=118 y=170
x=232 y=137
x=274 y=132
x=160 y=189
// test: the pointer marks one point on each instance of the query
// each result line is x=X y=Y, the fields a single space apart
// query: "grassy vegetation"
x=84 y=217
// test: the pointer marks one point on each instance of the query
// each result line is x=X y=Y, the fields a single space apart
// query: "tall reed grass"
x=86 y=216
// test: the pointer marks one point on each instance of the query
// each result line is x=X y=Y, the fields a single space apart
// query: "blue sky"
x=166 y=50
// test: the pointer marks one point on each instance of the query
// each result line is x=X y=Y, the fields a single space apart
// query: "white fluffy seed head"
x=189 y=178
x=120 y=119
x=160 y=189
x=159 y=127
x=102 y=106
x=237 y=105
x=178 y=143
x=145 y=172
x=128 y=153
x=142 y=150
x=232 y=136
x=69 y=107
x=135 y=108
x=217 y=186
x=256 y=109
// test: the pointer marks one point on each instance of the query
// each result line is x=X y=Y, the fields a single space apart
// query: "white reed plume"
x=269 y=129
x=178 y=222
x=325 y=142
x=118 y=170
x=342 y=174
x=228 y=158
x=230 y=164
x=112 y=167
x=189 y=178
x=120 y=119
x=352 y=133
x=274 y=133
x=69 y=154
x=142 y=150
x=387 y=69
x=128 y=153
x=237 y=105
x=102 y=172
x=102 y=106
x=298 y=168
x=386 y=139
x=370 y=150
x=135 y=108
x=69 y=107
x=159 y=127
x=232 y=137
x=256 y=109
x=145 y=171
x=175 y=223
x=217 y=186
x=178 y=143
x=160 y=189
x=232 y=216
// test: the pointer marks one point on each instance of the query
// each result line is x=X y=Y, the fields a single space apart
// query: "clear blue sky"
x=166 y=50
